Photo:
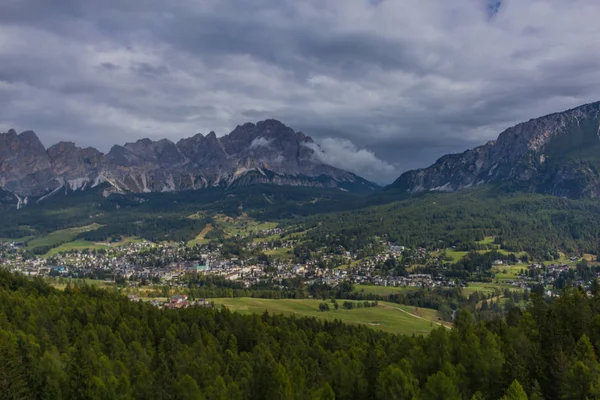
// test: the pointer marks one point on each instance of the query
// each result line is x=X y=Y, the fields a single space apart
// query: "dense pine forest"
x=539 y=224
x=86 y=343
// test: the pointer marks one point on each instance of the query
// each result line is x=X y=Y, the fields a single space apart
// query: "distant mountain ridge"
x=265 y=152
x=557 y=154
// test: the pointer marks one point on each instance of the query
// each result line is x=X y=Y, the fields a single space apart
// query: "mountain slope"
x=266 y=152
x=539 y=224
x=556 y=154
x=164 y=216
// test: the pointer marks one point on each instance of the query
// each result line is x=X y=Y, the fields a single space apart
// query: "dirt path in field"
x=204 y=231
x=416 y=316
x=495 y=298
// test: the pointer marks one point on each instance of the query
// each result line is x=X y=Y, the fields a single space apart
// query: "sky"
x=382 y=85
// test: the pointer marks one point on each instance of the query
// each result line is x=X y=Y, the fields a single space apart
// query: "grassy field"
x=281 y=253
x=487 y=240
x=455 y=256
x=17 y=240
x=383 y=290
x=508 y=272
x=229 y=227
x=269 y=238
x=61 y=283
x=472 y=288
x=60 y=236
x=511 y=272
x=76 y=245
x=86 y=245
x=200 y=238
x=565 y=259
x=506 y=253
x=242 y=225
x=483 y=287
x=425 y=313
x=295 y=237
x=386 y=317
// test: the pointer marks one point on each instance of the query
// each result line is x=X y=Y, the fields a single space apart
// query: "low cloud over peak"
x=260 y=142
x=343 y=154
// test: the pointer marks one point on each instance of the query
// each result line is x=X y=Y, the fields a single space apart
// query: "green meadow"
x=383 y=290
x=387 y=317
x=59 y=237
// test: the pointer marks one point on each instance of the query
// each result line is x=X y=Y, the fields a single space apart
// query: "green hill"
x=541 y=225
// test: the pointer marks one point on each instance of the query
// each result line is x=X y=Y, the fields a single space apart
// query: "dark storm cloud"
x=493 y=7
x=384 y=86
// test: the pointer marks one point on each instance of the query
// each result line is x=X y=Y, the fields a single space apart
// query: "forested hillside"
x=165 y=216
x=86 y=343
x=539 y=224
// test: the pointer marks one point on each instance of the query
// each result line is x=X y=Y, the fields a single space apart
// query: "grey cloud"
x=403 y=82
x=260 y=142
x=344 y=154
x=151 y=71
x=109 y=66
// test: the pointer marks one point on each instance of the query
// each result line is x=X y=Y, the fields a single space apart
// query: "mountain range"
x=265 y=152
x=557 y=154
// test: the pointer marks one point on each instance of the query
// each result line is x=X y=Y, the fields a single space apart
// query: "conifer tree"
x=515 y=392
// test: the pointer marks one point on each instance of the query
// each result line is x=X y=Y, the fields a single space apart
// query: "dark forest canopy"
x=86 y=343
x=541 y=225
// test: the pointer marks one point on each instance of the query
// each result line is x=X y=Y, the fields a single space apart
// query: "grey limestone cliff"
x=556 y=154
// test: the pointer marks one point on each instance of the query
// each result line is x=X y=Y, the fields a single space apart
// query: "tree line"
x=88 y=343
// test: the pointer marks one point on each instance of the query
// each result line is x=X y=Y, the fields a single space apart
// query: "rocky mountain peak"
x=23 y=160
x=74 y=166
x=29 y=135
x=265 y=152
x=301 y=137
x=26 y=140
x=556 y=154
x=273 y=125
x=63 y=146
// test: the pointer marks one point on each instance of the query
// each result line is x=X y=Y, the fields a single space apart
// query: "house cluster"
x=270 y=232
x=270 y=245
x=176 y=302
x=553 y=276
x=138 y=261
x=414 y=280
x=143 y=263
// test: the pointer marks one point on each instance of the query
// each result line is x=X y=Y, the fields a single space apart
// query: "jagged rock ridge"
x=556 y=154
x=265 y=152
